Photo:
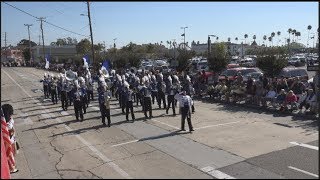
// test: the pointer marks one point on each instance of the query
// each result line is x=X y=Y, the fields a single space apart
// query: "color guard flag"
x=47 y=58
x=86 y=61
x=106 y=64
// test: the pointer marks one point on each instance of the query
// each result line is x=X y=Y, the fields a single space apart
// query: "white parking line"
x=306 y=145
x=217 y=125
x=125 y=143
x=216 y=173
x=306 y=172
x=102 y=156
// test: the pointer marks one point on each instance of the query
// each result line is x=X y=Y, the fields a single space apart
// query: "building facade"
x=12 y=54
x=58 y=54
x=235 y=49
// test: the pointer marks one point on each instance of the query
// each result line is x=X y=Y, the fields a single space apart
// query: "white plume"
x=170 y=79
x=161 y=76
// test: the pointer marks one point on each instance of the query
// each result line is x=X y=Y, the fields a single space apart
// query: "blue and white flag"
x=106 y=64
x=47 y=58
x=86 y=61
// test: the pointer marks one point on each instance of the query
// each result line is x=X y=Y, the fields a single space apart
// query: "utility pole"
x=88 y=5
x=41 y=19
x=39 y=40
x=28 y=25
x=5 y=44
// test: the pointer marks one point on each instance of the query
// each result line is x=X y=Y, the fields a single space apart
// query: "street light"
x=184 y=35
x=209 y=43
x=114 y=42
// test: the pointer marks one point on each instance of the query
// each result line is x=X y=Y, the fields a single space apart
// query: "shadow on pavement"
x=177 y=132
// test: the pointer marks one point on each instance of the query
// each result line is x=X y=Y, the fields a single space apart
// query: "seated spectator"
x=210 y=90
x=281 y=97
x=251 y=89
x=309 y=102
x=270 y=96
x=291 y=100
x=221 y=89
x=260 y=91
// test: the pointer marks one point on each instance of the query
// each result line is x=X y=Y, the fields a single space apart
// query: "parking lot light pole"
x=209 y=43
x=184 y=36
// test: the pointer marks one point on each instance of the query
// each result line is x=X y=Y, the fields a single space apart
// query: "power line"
x=46 y=21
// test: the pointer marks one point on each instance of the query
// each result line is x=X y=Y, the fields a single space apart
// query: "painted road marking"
x=95 y=108
x=165 y=124
x=217 y=125
x=306 y=172
x=64 y=113
x=216 y=173
x=102 y=156
x=125 y=143
x=26 y=120
x=305 y=145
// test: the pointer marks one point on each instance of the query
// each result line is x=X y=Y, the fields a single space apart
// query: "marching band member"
x=171 y=93
x=64 y=96
x=104 y=101
x=45 y=82
x=154 y=90
x=146 y=93
x=77 y=101
x=129 y=102
x=53 y=90
x=84 y=98
x=185 y=105
x=161 y=86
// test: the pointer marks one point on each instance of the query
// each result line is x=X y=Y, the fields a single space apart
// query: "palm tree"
x=270 y=39
x=294 y=33
x=236 y=39
x=272 y=35
x=298 y=34
x=264 y=39
x=309 y=28
x=289 y=31
x=279 y=33
x=245 y=36
x=217 y=38
x=229 y=39
x=254 y=37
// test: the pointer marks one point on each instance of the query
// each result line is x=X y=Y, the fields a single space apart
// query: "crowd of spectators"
x=283 y=94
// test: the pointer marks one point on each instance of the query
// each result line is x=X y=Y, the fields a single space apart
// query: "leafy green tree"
x=25 y=43
x=271 y=65
x=217 y=60
x=83 y=47
x=183 y=59
x=26 y=54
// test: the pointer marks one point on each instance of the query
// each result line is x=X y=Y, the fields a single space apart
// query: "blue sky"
x=144 y=22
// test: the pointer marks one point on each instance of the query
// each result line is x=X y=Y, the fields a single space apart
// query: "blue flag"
x=86 y=61
x=106 y=64
x=47 y=58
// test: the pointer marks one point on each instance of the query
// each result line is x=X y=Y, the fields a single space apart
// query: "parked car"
x=297 y=61
x=294 y=72
x=233 y=72
x=254 y=75
x=232 y=65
